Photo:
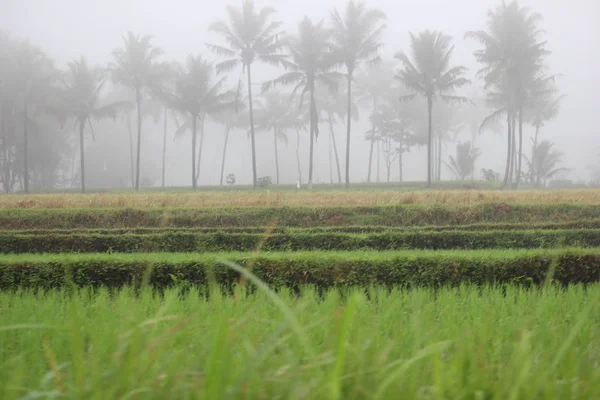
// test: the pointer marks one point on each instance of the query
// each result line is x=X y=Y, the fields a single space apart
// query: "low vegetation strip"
x=298 y=241
x=578 y=224
x=321 y=269
x=399 y=215
x=275 y=198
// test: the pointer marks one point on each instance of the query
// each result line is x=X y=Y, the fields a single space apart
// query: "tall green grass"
x=462 y=343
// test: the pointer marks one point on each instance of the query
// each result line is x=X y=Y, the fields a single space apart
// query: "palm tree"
x=357 y=40
x=431 y=76
x=136 y=67
x=311 y=63
x=196 y=95
x=545 y=163
x=230 y=121
x=373 y=86
x=250 y=36
x=81 y=101
x=275 y=115
x=463 y=165
x=36 y=76
x=513 y=58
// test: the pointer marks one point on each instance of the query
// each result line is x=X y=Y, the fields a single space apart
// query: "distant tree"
x=311 y=63
x=250 y=36
x=463 y=164
x=431 y=76
x=230 y=121
x=196 y=94
x=81 y=100
x=512 y=57
x=136 y=66
x=275 y=115
x=545 y=164
x=373 y=87
x=357 y=39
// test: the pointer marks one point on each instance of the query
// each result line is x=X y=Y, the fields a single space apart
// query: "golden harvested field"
x=292 y=198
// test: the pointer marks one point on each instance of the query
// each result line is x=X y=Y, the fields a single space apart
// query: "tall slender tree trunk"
x=348 y=128
x=372 y=139
x=330 y=151
x=388 y=167
x=131 y=162
x=378 y=160
x=298 y=155
x=194 y=128
x=508 y=152
x=335 y=151
x=276 y=154
x=312 y=135
x=513 y=160
x=138 y=99
x=200 y=147
x=400 y=177
x=520 y=147
x=81 y=155
x=252 y=138
x=25 y=149
x=439 y=159
x=535 y=144
x=227 y=129
x=164 y=149
x=429 y=140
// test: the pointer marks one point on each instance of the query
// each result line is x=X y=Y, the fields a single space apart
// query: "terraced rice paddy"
x=456 y=295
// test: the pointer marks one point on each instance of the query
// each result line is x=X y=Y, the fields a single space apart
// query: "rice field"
x=297 y=198
x=461 y=343
x=301 y=295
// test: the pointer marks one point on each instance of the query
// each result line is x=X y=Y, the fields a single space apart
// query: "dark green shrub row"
x=358 y=229
x=425 y=268
x=298 y=241
x=399 y=215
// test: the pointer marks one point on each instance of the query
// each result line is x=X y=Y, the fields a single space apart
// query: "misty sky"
x=67 y=29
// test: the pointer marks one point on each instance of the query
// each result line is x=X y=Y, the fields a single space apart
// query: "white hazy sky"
x=67 y=29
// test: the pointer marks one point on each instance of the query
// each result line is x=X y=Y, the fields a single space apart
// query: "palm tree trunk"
x=330 y=161
x=312 y=135
x=335 y=151
x=194 y=128
x=535 y=144
x=298 y=155
x=508 y=153
x=131 y=149
x=372 y=139
x=513 y=163
x=252 y=138
x=400 y=177
x=378 y=159
x=429 y=140
x=224 y=151
x=276 y=154
x=81 y=155
x=138 y=100
x=348 y=128
x=389 y=170
x=520 y=147
x=164 y=152
x=439 y=159
x=25 y=149
x=201 y=146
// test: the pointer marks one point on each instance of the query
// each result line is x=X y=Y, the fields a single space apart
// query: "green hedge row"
x=412 y=268
x=358 y=229
x=399 y=215
x=299 y=241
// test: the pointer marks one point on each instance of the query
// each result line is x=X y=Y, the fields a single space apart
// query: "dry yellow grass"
x=317 y=198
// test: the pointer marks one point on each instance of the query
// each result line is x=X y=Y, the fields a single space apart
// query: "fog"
x=68 y=29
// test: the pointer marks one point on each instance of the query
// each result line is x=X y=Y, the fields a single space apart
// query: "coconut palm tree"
x=251 y=36
x=373 y=86
x=430 y=75
x=513 y=56
x=81 y=100
x=545 y=163
x=197 y=95
x=357 y=40
x=136 y=66
x=311 y=63
x=275 y=115
x=463 y=165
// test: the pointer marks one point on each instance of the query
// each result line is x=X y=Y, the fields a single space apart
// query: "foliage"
x=463 y=165
x=545 y=165
x=231 y=179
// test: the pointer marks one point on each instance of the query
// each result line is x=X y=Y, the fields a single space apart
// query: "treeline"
x=331 y=67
